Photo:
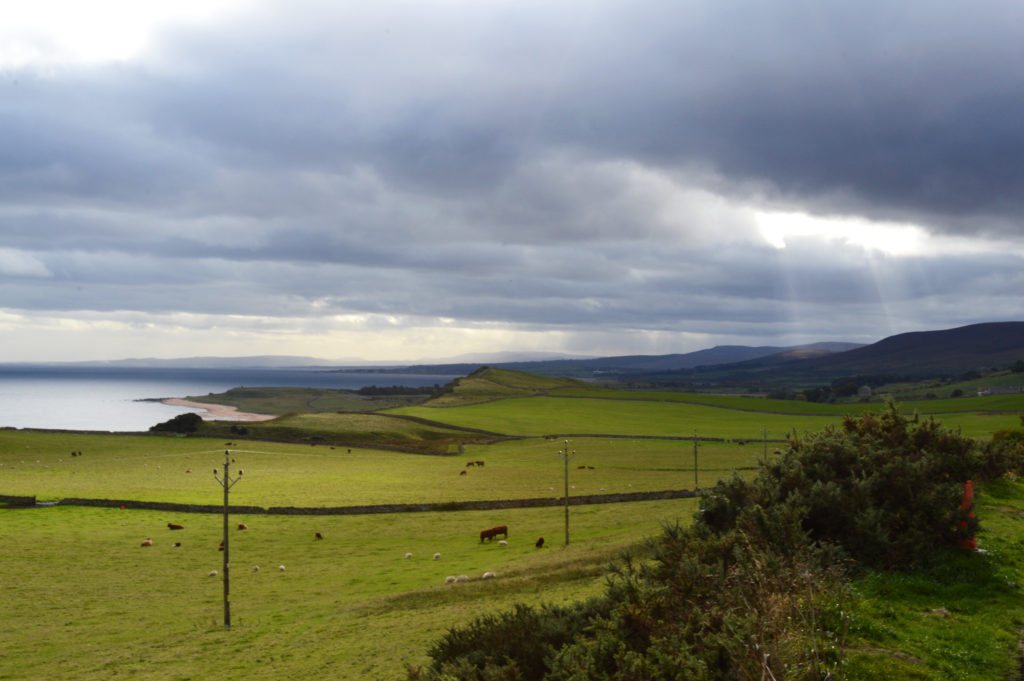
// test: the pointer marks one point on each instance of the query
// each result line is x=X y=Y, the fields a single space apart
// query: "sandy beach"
x=217 y=412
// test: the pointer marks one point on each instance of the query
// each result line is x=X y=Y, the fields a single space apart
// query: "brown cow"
x=319 y=535
x=540 y=543
x=148 y=542
x=175 y=526
x=243 y=526
x=494 y=532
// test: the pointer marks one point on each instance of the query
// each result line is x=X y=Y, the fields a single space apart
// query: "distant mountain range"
x=920 y=354
x=638 y=364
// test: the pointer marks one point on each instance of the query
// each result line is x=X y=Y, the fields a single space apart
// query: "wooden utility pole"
x=566 y=456
x=227 y=483
x=696 y=486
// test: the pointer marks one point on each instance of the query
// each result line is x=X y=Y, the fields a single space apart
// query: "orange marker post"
x=968 y=505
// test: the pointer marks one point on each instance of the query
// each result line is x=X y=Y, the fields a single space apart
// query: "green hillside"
x=489 y=383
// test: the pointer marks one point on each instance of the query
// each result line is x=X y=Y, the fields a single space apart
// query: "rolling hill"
x=915 y=355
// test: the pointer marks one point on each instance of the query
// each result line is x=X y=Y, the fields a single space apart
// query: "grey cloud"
x=529 y=165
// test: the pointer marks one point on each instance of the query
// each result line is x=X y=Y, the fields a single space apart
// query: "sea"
x=124 y=399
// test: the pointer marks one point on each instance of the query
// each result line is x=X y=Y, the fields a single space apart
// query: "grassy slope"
x=279 y=401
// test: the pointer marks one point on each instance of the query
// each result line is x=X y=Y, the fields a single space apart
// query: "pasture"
x=279 y=474
x=84 y=600
x=732 y=418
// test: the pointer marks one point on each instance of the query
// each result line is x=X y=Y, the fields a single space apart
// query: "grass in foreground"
x=83 y=600
x=959 y=618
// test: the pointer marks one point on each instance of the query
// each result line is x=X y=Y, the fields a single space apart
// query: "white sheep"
x=502 y=542
x=449 y=579
x=281 y=568
x=437 y=556
x=255 y=568
x=462 y=578
x=408 y=555
x=213 y=573
x=489 y=575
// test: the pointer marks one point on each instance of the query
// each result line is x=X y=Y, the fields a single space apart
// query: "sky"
x=421 y=180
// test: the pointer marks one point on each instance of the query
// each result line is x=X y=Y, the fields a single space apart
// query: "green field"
x=280 y=474
x=83 y=600
x=671 y=418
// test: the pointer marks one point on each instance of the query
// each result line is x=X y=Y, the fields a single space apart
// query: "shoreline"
x=217 y=412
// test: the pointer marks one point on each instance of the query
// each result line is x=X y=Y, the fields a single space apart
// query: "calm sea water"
x=88 y=398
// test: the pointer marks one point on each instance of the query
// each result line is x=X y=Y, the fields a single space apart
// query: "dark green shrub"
x=514 y=645
x=885 y=488
x=723 y=606
x=182 y=423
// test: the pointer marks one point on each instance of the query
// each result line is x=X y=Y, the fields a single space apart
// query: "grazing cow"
x=243 y=526
x=177 y=544
x=581 y=467
x=470 y=463
x=175 y=526
x=540 y=543
x=462 y=472
x=221 y=547
x=494 y=532
x=319 y=535
x=148 y=542
x=590 y=468
x=479 y=463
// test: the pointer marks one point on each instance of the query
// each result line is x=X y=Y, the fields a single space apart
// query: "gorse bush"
x=756 y=588
x=884 y=488
x=509 y=646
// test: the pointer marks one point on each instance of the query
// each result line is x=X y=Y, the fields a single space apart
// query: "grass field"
x=278 y=474
x=671 y=418
x=83 y=600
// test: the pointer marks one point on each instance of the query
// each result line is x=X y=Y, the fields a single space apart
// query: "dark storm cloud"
x=596 y=165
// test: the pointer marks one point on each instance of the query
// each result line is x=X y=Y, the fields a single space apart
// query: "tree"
x=182 y=423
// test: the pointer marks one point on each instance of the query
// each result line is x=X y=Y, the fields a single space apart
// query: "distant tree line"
x=376 y=391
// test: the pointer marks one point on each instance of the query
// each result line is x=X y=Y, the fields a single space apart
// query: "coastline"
x=217 y=411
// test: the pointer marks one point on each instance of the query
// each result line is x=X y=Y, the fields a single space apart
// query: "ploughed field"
x=84 y=600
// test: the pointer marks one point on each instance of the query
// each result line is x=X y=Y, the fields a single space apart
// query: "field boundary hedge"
x=480 y=505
